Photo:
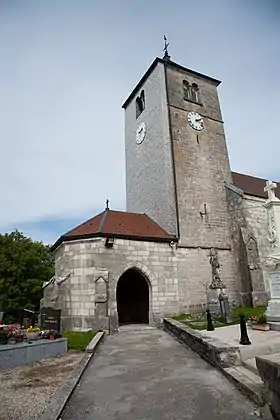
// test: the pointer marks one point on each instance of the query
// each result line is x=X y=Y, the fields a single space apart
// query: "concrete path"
x=143 y=373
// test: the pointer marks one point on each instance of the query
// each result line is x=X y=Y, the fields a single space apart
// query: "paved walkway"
x=143 y=373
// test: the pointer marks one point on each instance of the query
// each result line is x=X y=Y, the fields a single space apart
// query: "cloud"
x=66 y=68
x=49 y=230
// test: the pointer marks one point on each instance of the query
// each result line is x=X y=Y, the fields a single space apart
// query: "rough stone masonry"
x=182 y=201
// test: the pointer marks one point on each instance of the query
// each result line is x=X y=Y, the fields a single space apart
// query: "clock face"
x=141 y=133
x=195 y=120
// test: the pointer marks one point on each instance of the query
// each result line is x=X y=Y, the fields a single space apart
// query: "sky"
x=66 y=68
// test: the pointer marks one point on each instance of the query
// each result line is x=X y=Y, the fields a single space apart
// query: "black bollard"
x=210 y=326
x=244 y=339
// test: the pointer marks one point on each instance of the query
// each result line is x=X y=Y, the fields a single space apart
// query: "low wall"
x=26 y=353
x=269 y=369
x=214 y=351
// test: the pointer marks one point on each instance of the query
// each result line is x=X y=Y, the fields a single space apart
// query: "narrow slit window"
x=140 y=103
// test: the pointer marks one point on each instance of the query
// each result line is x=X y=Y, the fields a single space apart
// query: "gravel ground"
x=26 y=390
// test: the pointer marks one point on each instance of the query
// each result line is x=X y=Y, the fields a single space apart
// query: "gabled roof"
x=252 y=185
x=118 y=224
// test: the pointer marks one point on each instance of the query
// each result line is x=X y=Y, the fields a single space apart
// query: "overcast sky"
x=67 y=66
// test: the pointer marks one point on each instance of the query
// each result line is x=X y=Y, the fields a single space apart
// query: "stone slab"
x=273 y=310
x=26 y=353
x=94 y=342
x=250 y=364
x=247 y=382
x=57 y=404
x=263 y=342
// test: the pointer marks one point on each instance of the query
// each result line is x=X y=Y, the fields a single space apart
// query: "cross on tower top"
x=270 y=188
x=166 y=44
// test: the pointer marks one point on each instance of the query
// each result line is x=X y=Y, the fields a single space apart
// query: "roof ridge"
x=84 y=223
x=103 y=220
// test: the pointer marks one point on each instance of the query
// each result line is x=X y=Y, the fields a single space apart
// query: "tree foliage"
x=24 y=266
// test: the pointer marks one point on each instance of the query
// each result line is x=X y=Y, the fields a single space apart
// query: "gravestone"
x=273 y=310
x=50 y=319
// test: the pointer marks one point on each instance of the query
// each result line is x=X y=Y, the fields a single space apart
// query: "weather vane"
x=166 y=44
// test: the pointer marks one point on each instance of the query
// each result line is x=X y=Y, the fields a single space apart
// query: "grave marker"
x=50 y=319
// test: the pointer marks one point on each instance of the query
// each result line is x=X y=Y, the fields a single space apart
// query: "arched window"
x=140 y=103
x=186 y=89
x=195 y=93
x=191 y=92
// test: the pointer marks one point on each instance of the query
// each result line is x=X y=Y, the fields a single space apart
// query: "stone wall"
x=256 y=215
x=214 y=351
x=178 y=279
x=149 y=173
x=201 y=163
x=248 y=229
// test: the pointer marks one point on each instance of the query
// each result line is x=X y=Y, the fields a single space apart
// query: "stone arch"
x=134 y=307
x=143 y=269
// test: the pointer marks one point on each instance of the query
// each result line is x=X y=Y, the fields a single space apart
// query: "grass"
x=77 y=340
x=198 y=321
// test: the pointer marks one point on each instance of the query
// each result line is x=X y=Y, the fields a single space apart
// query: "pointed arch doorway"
x=133 y=298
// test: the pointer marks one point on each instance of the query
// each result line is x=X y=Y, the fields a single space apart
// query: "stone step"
x=247 y=382
x=250 y=364
x=274 y=326
x=250 y=352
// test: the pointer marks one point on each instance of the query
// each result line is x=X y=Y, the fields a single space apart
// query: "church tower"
x=177 y=162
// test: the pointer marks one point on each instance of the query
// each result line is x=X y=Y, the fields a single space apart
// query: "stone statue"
x=272 y=234
x=216 y=280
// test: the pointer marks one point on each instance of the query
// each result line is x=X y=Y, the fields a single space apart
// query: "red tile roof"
x=252 y=185
x=140 y=226
x=120 y=224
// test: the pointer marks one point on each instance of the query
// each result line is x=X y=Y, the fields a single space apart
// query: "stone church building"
x=183 y=201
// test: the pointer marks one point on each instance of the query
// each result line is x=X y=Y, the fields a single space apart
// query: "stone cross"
x=270 y=186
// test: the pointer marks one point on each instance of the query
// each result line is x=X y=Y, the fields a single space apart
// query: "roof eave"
x=64 y=238
x=169 y=63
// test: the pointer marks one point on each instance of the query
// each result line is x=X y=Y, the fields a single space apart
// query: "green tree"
x=24 y=266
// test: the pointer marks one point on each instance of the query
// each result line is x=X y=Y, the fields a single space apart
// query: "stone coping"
x=58 y=403
x=40 y=342
x=213 y=350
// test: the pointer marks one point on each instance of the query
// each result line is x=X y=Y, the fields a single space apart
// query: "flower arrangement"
x=32 y=333
x=259 y=322
x=33 y=329
x=258 y=319
x=4 y=335
x=49 y=334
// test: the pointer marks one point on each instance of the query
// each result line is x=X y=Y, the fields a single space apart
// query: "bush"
x=248 y=312
x=78 y=340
